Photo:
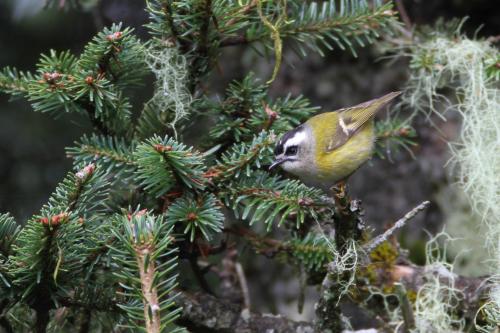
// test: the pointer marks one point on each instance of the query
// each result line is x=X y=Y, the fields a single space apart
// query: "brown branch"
x=268 y=247
x=96 y=122
x=235 y=17
x=272 y=116
x=5 y=325
x=205 y=313
x=404 y=14
x=198 y=273
x=4 y=322
x=348 y=227
x=202 y=312
x=167 y=11
x=229 y=286
x=86 y=319
x=42 y=320
x=236 y=40
x=152 y=315
x=43 y=302
x=493 y=39
x=473 y=289
x=243 y=285
x=406 y=308
x=108 y=306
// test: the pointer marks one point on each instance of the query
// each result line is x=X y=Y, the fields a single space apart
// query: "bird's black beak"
x=277 y=162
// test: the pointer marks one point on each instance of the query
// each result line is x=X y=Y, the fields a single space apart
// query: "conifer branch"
x=264 y=198
x=144 y=250
x=9 y=230
x=198 y=215
x=241 y=157
x=315 y=25
x=313 y=251
x=165 y=162
x=46 y=257
x=14 y=82
x=393 y=135
x=90 y=84
x=109 y=153
x=204 y=44
x=161 y=16
x=149 y=291
x=97 y=123
x=247 y=110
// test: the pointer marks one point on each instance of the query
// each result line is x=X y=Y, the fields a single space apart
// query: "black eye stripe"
x=279 y=149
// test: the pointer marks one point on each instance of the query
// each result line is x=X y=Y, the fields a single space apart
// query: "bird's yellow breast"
x=333 y=166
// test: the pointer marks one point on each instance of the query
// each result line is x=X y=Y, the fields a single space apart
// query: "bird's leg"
x=348 y=215
x=340 y=196
x=341 y=186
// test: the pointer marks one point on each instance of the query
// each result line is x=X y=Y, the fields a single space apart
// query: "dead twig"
x=399 y=224
x=406 y=307
x=243 y=285
x=404 y=14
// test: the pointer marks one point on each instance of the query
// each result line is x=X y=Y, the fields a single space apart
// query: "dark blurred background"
x=32 y=157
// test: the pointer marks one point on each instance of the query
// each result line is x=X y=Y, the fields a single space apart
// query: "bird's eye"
x=291 y=150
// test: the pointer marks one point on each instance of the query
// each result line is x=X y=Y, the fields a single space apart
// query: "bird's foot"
x=340 y=195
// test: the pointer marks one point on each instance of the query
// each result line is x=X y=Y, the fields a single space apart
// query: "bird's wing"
x=351 y=119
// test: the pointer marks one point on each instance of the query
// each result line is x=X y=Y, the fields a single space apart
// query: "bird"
x=329 y=147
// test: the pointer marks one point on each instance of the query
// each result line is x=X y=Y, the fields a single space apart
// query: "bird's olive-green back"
x=344 y=139
x=334 y=165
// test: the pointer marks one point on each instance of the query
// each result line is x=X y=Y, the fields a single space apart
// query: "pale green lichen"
x=463 y=224
x=462 y=64
x=490 y=311
x=344 y=264
x=434 y=303
x=394 y=317
x=437 y=298
x=171 y=71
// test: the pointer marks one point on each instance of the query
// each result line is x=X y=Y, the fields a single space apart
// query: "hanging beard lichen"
x=171 y=100
x=463 y=65
x=436 y=301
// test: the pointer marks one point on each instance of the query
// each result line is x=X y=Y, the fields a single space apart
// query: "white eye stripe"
x=295 y=140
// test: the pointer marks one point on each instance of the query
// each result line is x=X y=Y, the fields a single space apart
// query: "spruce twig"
x=147 y=271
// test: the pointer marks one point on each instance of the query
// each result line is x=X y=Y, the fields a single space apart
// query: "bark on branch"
x=202 y=312
x=149 y=291
x=473 y=289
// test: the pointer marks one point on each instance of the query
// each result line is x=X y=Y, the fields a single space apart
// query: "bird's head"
x=293 y=151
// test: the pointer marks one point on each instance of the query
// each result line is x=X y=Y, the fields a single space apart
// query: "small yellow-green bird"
x=330 y=146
